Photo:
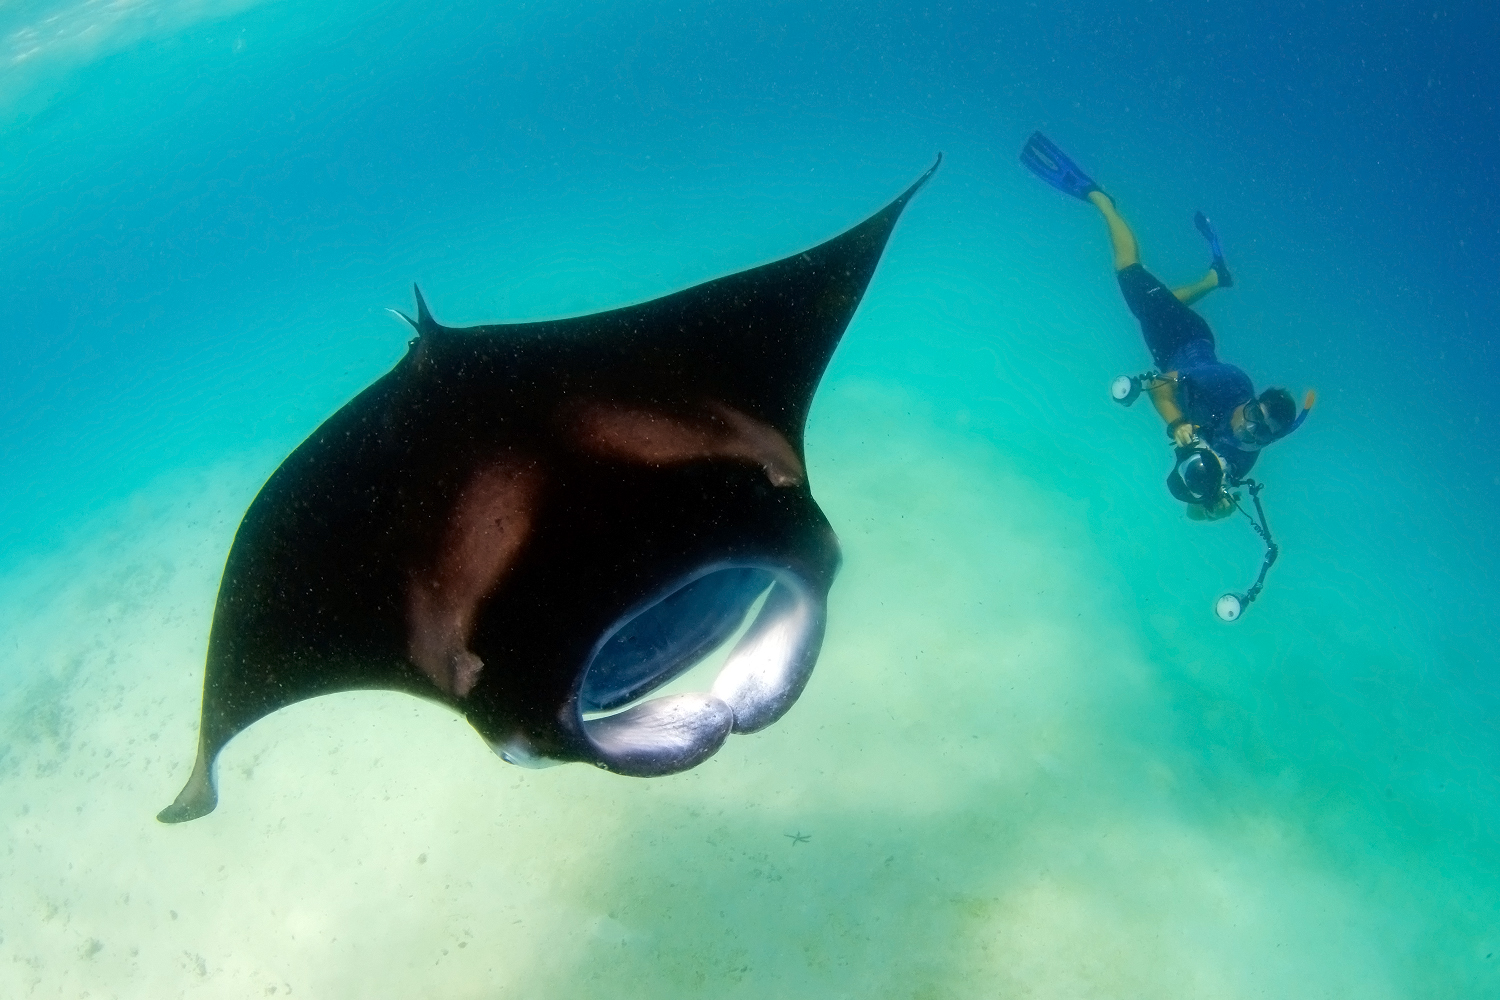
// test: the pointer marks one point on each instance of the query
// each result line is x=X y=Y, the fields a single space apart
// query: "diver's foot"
x=1221 y=272
x=1216 y=252
x=1042 y=157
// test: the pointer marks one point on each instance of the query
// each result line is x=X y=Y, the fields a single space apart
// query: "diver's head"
x=1260 y=421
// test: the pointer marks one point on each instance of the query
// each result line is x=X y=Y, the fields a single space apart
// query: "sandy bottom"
x=985 y=791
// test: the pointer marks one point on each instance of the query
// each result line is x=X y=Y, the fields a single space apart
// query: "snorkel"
x=1307 y=404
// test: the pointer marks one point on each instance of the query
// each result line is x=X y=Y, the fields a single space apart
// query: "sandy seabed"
x=993 y=795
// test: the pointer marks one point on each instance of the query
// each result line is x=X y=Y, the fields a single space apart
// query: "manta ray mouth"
x=666 y=636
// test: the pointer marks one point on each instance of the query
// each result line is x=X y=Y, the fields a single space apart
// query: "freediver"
x=1213 y=416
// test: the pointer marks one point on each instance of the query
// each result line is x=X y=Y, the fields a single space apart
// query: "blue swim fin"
x=1042 y=157
x=1220 y=267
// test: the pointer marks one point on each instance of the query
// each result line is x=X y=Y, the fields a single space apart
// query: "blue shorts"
x=1166 y=323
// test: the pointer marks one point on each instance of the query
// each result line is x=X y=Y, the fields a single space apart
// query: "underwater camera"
x=1202 y=472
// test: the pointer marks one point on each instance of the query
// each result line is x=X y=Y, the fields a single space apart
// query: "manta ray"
x=539 y=524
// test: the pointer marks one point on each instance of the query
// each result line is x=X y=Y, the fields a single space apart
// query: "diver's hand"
x=1184 y=435
x=1213 y=512
x=1222 y=509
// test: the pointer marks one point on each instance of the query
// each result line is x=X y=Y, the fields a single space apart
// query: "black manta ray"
x=539 y=523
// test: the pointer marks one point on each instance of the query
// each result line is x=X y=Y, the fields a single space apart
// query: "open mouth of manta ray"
x=669 y=634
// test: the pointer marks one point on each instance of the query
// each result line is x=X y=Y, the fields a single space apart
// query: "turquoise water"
x=1030 y=761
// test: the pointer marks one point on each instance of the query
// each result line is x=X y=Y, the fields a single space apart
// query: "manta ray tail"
x=198 y=797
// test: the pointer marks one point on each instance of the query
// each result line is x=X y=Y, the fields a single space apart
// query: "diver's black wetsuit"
x=1208 y=390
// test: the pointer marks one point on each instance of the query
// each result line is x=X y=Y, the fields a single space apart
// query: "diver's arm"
x=1164 y=398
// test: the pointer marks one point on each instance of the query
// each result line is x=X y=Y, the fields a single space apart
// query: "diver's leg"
x=1121 y=239
x=1188 y=294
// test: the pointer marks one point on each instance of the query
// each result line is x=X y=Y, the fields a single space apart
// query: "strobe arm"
x=1229 y=607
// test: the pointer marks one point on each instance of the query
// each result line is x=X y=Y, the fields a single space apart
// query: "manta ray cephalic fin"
x=424 y=323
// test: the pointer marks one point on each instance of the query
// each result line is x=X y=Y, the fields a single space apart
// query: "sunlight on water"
x=41 y=45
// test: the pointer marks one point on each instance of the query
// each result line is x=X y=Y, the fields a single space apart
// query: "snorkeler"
x=1211 y=411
